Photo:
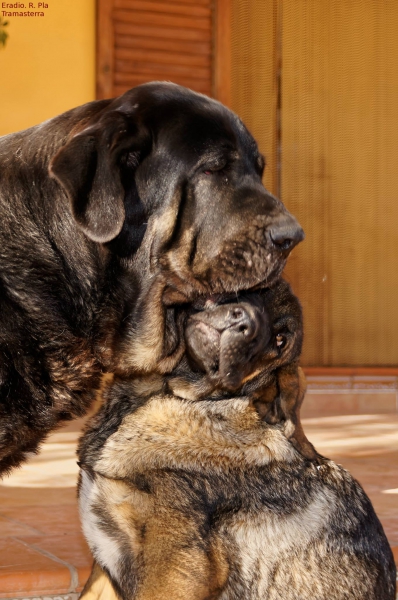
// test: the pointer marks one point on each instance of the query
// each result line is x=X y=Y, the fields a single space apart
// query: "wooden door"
x=317 y=82
x=339 y=154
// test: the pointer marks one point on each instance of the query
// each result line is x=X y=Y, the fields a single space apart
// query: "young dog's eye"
x=280 y=341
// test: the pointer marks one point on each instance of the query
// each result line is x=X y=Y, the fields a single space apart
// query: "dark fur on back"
x=109 y=213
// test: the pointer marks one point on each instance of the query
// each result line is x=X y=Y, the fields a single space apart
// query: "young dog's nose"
x=225 y=340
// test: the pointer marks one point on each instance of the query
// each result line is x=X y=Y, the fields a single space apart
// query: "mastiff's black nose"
x=286 y=234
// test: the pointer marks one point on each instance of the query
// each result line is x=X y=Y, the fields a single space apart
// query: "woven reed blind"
x=317 y=82
x=146 y=40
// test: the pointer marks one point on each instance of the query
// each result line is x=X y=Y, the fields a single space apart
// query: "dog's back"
x=198 y=500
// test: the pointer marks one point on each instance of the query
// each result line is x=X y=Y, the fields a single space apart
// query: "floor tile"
x=41 y=496
x=12 y=527
x=348 y=403
x=72 y=549
x=62 y=519
x=24 y=569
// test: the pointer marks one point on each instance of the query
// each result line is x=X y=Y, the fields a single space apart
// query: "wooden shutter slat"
x=172 y=21
x=170 y=45
x=150 y=56
x=137 y=29
x=208 y=3
x=125 y=66
x=164 y=8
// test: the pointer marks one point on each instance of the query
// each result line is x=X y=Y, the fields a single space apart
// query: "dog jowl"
x=119 y=208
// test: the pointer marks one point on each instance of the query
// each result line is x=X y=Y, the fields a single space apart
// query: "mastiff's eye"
x=280 y=341
x=215 y=167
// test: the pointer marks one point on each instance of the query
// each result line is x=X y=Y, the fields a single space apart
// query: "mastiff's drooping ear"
x=88 y=168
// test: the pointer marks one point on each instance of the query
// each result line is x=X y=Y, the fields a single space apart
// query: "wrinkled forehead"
x=209 y=132
x=200 y=124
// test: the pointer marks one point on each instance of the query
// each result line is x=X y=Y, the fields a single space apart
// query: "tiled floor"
x=42 y=551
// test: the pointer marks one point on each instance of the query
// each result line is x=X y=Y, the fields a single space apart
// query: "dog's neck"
x=186 y=384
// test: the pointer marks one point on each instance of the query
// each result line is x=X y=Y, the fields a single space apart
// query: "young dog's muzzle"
x=225 y=341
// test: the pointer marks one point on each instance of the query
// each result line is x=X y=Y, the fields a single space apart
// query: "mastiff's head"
x=169 y=181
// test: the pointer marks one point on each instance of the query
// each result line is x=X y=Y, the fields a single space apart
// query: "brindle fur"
x=111 y=212
x=193 y=495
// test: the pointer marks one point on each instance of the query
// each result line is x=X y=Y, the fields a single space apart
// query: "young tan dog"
x=200 y=484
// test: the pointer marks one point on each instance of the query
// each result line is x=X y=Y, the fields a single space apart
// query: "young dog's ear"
x=292 y=387
x=88 y=169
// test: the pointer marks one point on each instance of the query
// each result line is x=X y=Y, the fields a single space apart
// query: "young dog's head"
x=234 y=347
x=223 y=347
x=249 y=346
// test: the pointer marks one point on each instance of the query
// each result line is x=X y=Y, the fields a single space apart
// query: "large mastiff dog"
x=120 y=207
x=195 y=487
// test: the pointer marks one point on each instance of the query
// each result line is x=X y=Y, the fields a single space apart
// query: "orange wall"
x=48 y=64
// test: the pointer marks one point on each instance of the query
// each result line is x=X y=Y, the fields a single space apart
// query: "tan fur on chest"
x=169 y=432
